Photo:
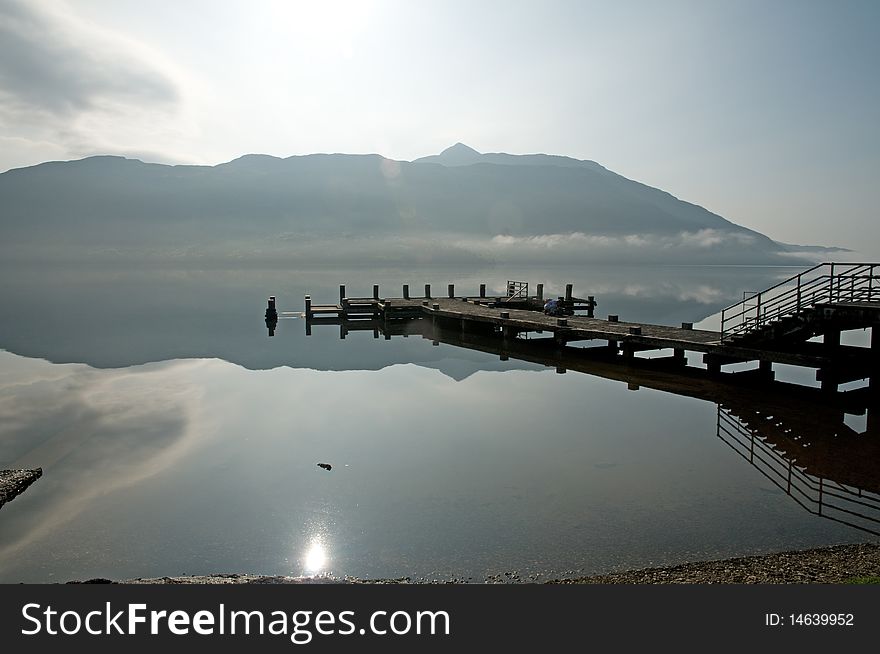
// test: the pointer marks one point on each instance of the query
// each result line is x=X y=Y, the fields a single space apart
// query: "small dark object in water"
x=326 y=466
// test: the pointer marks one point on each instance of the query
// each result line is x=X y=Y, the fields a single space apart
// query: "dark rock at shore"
x=14 y=482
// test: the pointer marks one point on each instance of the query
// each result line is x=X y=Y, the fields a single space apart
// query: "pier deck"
x=777 y=325
x=491 y=314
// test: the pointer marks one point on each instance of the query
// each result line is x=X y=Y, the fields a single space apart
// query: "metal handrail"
x=517 y=290
x=824 y=282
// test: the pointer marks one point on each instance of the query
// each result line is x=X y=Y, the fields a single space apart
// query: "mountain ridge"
x=497 y=206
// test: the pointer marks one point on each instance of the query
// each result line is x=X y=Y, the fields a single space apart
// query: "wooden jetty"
x=812 y=455
x=774 y=326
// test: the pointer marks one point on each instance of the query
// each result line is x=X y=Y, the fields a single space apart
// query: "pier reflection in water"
x=795 y=435
x=828 y=469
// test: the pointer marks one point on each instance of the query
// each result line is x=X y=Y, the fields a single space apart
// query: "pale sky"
x=765 y=112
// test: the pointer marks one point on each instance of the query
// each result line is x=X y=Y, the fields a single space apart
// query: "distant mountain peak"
x=456 y=155
x=460 y=149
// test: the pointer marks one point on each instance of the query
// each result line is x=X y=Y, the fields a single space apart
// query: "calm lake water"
x=176 y=437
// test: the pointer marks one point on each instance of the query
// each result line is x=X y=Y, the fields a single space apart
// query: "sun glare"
x=328 y=26
x=315 y=557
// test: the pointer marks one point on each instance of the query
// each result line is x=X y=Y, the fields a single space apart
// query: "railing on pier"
x=851 y=506
x=517 y=290
x=823 y=283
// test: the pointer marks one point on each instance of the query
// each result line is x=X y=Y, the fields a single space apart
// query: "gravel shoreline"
x=825 y=565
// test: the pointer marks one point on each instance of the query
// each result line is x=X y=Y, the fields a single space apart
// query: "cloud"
x=67 y=82
x=52 y=62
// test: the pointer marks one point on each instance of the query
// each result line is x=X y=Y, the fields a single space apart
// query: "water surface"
x=177 y=437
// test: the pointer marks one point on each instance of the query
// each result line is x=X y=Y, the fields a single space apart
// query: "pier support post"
x=341 y=293
x=308 y=307
x=428 y=291
x=540 y=292
x=831 y=338
x=875 y=350
x=678 y=356
x=591 y=305
x=765 y=367
x=451 y=290
x=406 y=291
x=829 y=383
x=308 y=327
x=713 y=364
x=874 y=378
x=613 y=346
x=375 y=291
x=568 y=289
x=482 y=290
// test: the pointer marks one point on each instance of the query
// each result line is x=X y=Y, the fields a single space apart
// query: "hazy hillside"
x=459 y=205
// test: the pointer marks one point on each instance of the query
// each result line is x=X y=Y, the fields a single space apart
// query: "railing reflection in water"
x=854 y=506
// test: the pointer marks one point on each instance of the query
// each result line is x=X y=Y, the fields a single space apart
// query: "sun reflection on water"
x=315 y=558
